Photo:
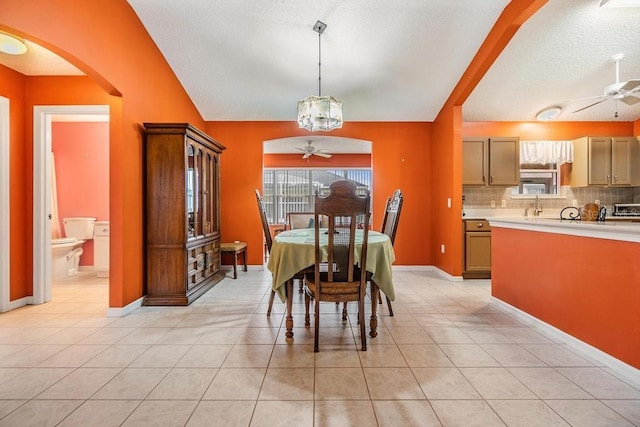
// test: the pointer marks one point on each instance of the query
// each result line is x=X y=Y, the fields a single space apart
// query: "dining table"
x=293 y=251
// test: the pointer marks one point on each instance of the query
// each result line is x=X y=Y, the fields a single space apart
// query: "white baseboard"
x=21 y=302
x=123 y=311
x=412 y=268
x=626 y=371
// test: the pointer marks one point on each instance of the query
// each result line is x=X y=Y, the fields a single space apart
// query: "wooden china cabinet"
x=182 y=213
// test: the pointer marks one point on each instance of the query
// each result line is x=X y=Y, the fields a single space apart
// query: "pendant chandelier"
x=320 y=112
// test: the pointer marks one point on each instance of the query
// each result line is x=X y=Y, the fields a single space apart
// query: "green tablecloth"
x=293 y=251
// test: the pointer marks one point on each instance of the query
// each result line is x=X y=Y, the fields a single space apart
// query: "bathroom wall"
x=81 y=151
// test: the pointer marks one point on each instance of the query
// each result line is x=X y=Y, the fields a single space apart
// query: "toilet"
x=66 y=252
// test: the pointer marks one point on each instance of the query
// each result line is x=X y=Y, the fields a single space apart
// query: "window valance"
x=543 y=152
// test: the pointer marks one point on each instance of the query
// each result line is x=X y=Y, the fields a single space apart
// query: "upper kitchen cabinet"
x=491 y=161
x=605 y=161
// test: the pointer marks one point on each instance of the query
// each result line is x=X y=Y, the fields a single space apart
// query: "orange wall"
x=13 y=86
x=106 y=40
x=335 y=161
x=81 y=152
x=585 y=287
x=447 y=166
x=401 y=158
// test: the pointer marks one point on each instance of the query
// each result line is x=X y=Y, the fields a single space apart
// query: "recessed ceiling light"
x=549 y=113
x=620 y=3
x=11 y=44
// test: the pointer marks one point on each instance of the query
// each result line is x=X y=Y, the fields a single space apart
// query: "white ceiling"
x=387 y=60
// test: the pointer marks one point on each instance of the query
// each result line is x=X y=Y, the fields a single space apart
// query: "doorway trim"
x=5 y=213
x=43 y=116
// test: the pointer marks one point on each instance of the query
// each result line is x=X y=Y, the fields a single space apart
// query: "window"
x=292 y=190
x=540 y=163
x=538 y=179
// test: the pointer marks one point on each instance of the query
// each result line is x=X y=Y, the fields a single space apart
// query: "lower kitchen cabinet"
x=477 y=249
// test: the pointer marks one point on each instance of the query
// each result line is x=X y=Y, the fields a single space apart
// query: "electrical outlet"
x=441 y=248
x=597 y=202
x=503 y=203
x=574 y=203
x=493 y=203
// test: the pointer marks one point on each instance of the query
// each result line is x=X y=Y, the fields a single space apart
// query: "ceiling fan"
x=310 y=150
x=627 y=92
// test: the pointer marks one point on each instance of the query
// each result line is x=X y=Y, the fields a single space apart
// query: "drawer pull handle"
x=480 y=225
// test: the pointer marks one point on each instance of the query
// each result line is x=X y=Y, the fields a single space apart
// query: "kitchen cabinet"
x=491 y=161
x=182 y=213
x=477 y=249
x=605 y=161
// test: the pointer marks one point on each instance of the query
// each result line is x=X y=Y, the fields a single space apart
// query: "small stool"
x=235 y=248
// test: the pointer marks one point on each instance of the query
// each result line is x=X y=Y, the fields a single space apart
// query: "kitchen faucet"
x=536 y=206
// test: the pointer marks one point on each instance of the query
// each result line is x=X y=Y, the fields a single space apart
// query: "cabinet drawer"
x=477 y=225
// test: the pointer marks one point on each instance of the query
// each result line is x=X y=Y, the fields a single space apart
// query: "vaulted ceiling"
x=388 y=60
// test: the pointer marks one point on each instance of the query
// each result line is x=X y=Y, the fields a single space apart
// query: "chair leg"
x=301 y=290
x=307 y=300
x=389 y=305
x=316 y=319
x=379 y=297
x=344 y=312
x=363 y=335
x=271 y=297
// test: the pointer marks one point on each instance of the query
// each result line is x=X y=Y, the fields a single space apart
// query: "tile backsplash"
x=481 y=197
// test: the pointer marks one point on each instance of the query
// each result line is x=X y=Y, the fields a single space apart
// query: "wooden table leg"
x=289 y=319
x=374 y=309
x=235 y=265
x=244 y=253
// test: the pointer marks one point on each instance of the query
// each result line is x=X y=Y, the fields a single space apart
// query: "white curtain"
x=56 y=232
x=543 y=152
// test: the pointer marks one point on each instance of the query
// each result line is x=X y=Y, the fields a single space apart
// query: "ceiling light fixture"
x=620 y=3
x=320 y=112
x=12 y=45
x=549 y=113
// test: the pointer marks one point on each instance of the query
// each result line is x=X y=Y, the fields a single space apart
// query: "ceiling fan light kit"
x=549 y=113
x=320 y=112
x=12 y=45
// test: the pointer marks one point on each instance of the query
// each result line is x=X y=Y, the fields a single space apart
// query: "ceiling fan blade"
x=630 y=99
x=301 y=149
x=591 y=105
x=587 y=98
x=325 y=155
x=630 y=85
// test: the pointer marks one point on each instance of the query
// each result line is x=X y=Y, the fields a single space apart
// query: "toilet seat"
x=64 y=241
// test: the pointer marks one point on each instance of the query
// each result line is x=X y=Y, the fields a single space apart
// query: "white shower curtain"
x=56 y=232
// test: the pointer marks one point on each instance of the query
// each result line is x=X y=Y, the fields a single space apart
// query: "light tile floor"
x=447 y=357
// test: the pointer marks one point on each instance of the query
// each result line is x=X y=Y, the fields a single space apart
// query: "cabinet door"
x=621 y=161
x=504 y=161
x=599 y=161
x=474 y=161
x=477 y=251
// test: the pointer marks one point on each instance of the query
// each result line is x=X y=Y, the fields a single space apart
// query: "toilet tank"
x=80 y=227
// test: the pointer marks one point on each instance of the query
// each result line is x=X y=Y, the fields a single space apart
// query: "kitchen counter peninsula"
x=581 y=277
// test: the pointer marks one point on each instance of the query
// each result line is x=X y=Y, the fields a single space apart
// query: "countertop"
x=614 y=230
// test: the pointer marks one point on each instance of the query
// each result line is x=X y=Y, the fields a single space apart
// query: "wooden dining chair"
x=267 y=239
x=338 y=278
x=390 y=227
x=303 y=220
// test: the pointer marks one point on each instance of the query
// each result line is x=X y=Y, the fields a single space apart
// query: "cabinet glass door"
x=191 y=188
